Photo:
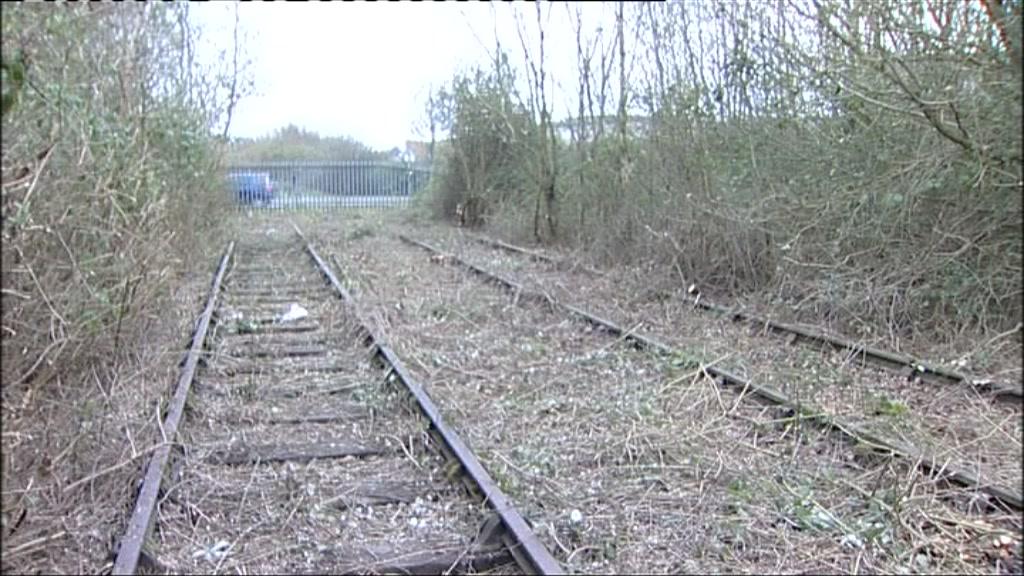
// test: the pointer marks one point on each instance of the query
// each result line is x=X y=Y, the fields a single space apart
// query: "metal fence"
x=324 y=185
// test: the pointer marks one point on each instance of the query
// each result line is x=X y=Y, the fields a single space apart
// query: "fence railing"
x=324 y=185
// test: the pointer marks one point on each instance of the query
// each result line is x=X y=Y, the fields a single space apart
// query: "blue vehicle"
x=252 y=187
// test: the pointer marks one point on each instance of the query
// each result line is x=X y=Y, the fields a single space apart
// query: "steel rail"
x=529 y=552
x=851 y=431
x=513 y=248
x=882 y=358
x=134 y=539
x=529 y=253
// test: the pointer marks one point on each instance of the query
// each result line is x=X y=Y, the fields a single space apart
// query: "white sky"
x=364 y=69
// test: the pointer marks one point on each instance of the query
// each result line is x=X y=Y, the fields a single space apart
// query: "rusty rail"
x=141 y=521
x=524 y=545
x=882 y=358
x=722 y=377
x=513 y=248
x=533 y=255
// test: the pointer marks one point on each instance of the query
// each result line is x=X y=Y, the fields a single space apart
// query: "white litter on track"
x=295 y=312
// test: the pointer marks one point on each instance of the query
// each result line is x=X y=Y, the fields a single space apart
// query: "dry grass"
x=74 y=450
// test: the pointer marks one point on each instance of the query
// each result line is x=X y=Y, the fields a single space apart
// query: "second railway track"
x=291 y=455
x=633 y=463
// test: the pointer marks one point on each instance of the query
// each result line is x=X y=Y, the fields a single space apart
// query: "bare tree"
x=233 y=94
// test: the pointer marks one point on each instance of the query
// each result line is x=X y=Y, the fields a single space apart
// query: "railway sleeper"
x=286 y=339
x=294 y=452
x=271 y=328
x=283 y=291
x=244 y=287
x=273 y=388
x=265 y=301
x=337 y=413
x=252 y=323
x=264 y=368
x=288 y=352
x=250 y=307
x=413 y=559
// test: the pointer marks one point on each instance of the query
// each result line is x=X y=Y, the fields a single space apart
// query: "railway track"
x=903 y=364
x=287 y=451
x=856 y=433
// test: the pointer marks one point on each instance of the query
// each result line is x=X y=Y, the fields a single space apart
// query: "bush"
x=109 y=180
x=870 y=177
x=480 y=168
